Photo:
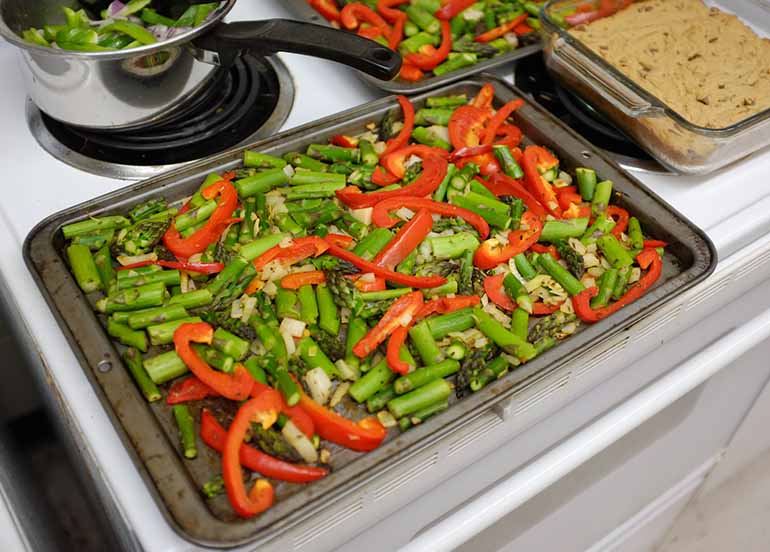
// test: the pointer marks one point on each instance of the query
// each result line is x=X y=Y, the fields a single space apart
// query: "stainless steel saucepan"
x=136 y=87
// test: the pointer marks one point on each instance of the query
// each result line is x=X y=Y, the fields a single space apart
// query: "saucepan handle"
x=282 y=35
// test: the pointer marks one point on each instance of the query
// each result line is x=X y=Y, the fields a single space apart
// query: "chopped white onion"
x=404 y=214
x=347 y=372
x=636 y=274
x=249 y=308
x=339 y=393
x=511 y=39
x=300 y=442
x=386 y=419
x=440 y=132
x=319 y=384
x=236 y=309
x=367 y=277
x=363 y=215
x=288 y=170
x=292 y=327
x=125 y=260
x=270 y=288
x=577 y=246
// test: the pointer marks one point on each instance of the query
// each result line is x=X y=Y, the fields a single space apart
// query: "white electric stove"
x=539 y=464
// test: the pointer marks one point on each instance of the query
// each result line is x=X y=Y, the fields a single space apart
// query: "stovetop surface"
x=732 y=205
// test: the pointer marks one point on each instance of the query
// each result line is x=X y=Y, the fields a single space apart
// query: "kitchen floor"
x=732 y=517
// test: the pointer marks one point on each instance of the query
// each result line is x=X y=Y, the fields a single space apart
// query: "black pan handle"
x=283 y=35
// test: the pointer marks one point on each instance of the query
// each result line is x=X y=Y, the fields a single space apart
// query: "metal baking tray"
x=148 y=431
x=303 y=10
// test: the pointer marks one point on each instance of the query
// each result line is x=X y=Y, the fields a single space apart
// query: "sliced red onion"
x=115 y=8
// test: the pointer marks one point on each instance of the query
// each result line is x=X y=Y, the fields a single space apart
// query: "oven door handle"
x=516 y=489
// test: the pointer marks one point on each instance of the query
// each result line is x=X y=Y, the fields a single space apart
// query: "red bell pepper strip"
x=523 y=29
x=493 y=287
x=406 y=240
x=201 y=268
x=378 y=284
x=353 y=14
x=298 y=250
x=371 y=33
x=396 y=17
x=403 y=136
x=298 y=416
x=452 y=8
x=535 y=158
x=362 y=436
x=491 y=253
x=499 y=118
x=410 y=72
x=466 y=126
x=184 y=248
x=327 y=9
x=395 y=161
x=652 y=244
x=214 y=435
x=299 y=279
x=430 y=60
x=382 y=177
x=505 y=28
x=433 y=171
x=445 y=305
x=393 y=356
x=577 y=211
x=540 y=248
x=400 y=313
x=568 y=199
x=620 y=216
x=263 y=409
x=510 y=186
x=511 y=136
x=582 y=301
x=235 y=387
x=343 y=141
x=566 y=190
x=484 y=98
x=189 y=389
x=389 y=275
x=381 y=213
x=340 y=240
x=469 y=151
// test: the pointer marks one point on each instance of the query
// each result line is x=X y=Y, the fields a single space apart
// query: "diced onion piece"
x=440 y=132
x=363 y=215
x=404 y=214
x=589 y=260
x=347 y=372
x=292 y=327
x=379 y=147
x=236 y=309
x=270 y=288
x=386 y=419
x=577 y=246
x=184 y=278
x=367 y=277
x=565 y=177
x=288 y=170
x=339 y=393
x=249 y=308
x=126 y=260
x=299 y=442
x=595 y=271
x=324 y=456
x=511 y=39
x=319 y=384
x=636 y=273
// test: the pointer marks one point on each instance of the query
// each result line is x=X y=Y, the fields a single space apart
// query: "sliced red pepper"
x=395 y=161
x=393 y=356
x=433 y=171
x=445 y=305
x=566 y=190
x=400 y=313
x=381 y=213
x=201 y=268
x=469 y=151
x=189 y=389
x=523 y=29
x=577 y=211
x=299 y=279
x=466 y=126
x=484 y=98
x=363 y=436
x=493 y=287
x=405 y=133
x=327 y=8
x=406 y=240
x=382 y=177
x=535 y=158
x=377 y=284
x=299 y=249
x=184 y=248
x=235 y=387
x=353 y=14
x=343 y=141
x=452 y=8
x=646 y=257
x=568 y=199
x=214 y=435
x=340 y=240
x=511 y=136
x=491 y=253
x=540 y=248
x=499 y=118
x=371 y=33
x=396 y=17
x=652 y=244
x=582 y=301
x=389 y=275
x=510 y=186
x=262 y=409
x=620 y=216
x=429 y=61
x=410 y=72
x=298 y=416
x=497 y=32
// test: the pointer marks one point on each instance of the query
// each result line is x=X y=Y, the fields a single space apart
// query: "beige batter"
x=703 y=63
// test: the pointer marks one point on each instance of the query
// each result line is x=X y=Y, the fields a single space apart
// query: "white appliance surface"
x=733 y=206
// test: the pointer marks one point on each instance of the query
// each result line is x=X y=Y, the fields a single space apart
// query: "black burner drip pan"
x=232 y=107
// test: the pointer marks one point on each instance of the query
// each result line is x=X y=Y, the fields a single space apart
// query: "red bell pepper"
x=551 y=249
x=493 y=287
x=189 y=389
x=371 y=33
x=396 y=17
x=382 y=177
x=201 y=268
x=343 y=141
x=362 y=436
x=577 y=211
x=396 y=160
x=389 y=275
x=484 y=98
x=184 y=248
x=410 y=72
x=469 y=151
x=491 y=253
x=568 y=199
x=505 y=28
x=355 y=13
x=378 y=284
x=406 y=240
x=499 y=118
x=262 y=409
x=511 y=136
x=434 y=56
x=466 y=126
x=433 y=171
x=381 y=213
x=652 y=244
x=400 y=313
x=445 y=305
x=299 y=279
x=582 y=301
x=536 y=158
x=620 y=216
x=523 y=29
x=405 y=133
x=298 y=250
x=452 y=8
x=214 y=435
x=235 y=387
x=298 y=416
x=501 y=184
x=340 y=240
x=393 y=356
x=327 y=8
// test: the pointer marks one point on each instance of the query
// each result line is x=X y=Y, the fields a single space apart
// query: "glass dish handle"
x=616 y=93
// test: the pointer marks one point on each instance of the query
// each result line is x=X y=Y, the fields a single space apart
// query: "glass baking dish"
x=679 y=145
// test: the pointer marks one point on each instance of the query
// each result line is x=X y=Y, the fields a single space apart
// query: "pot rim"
x=18 y=41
